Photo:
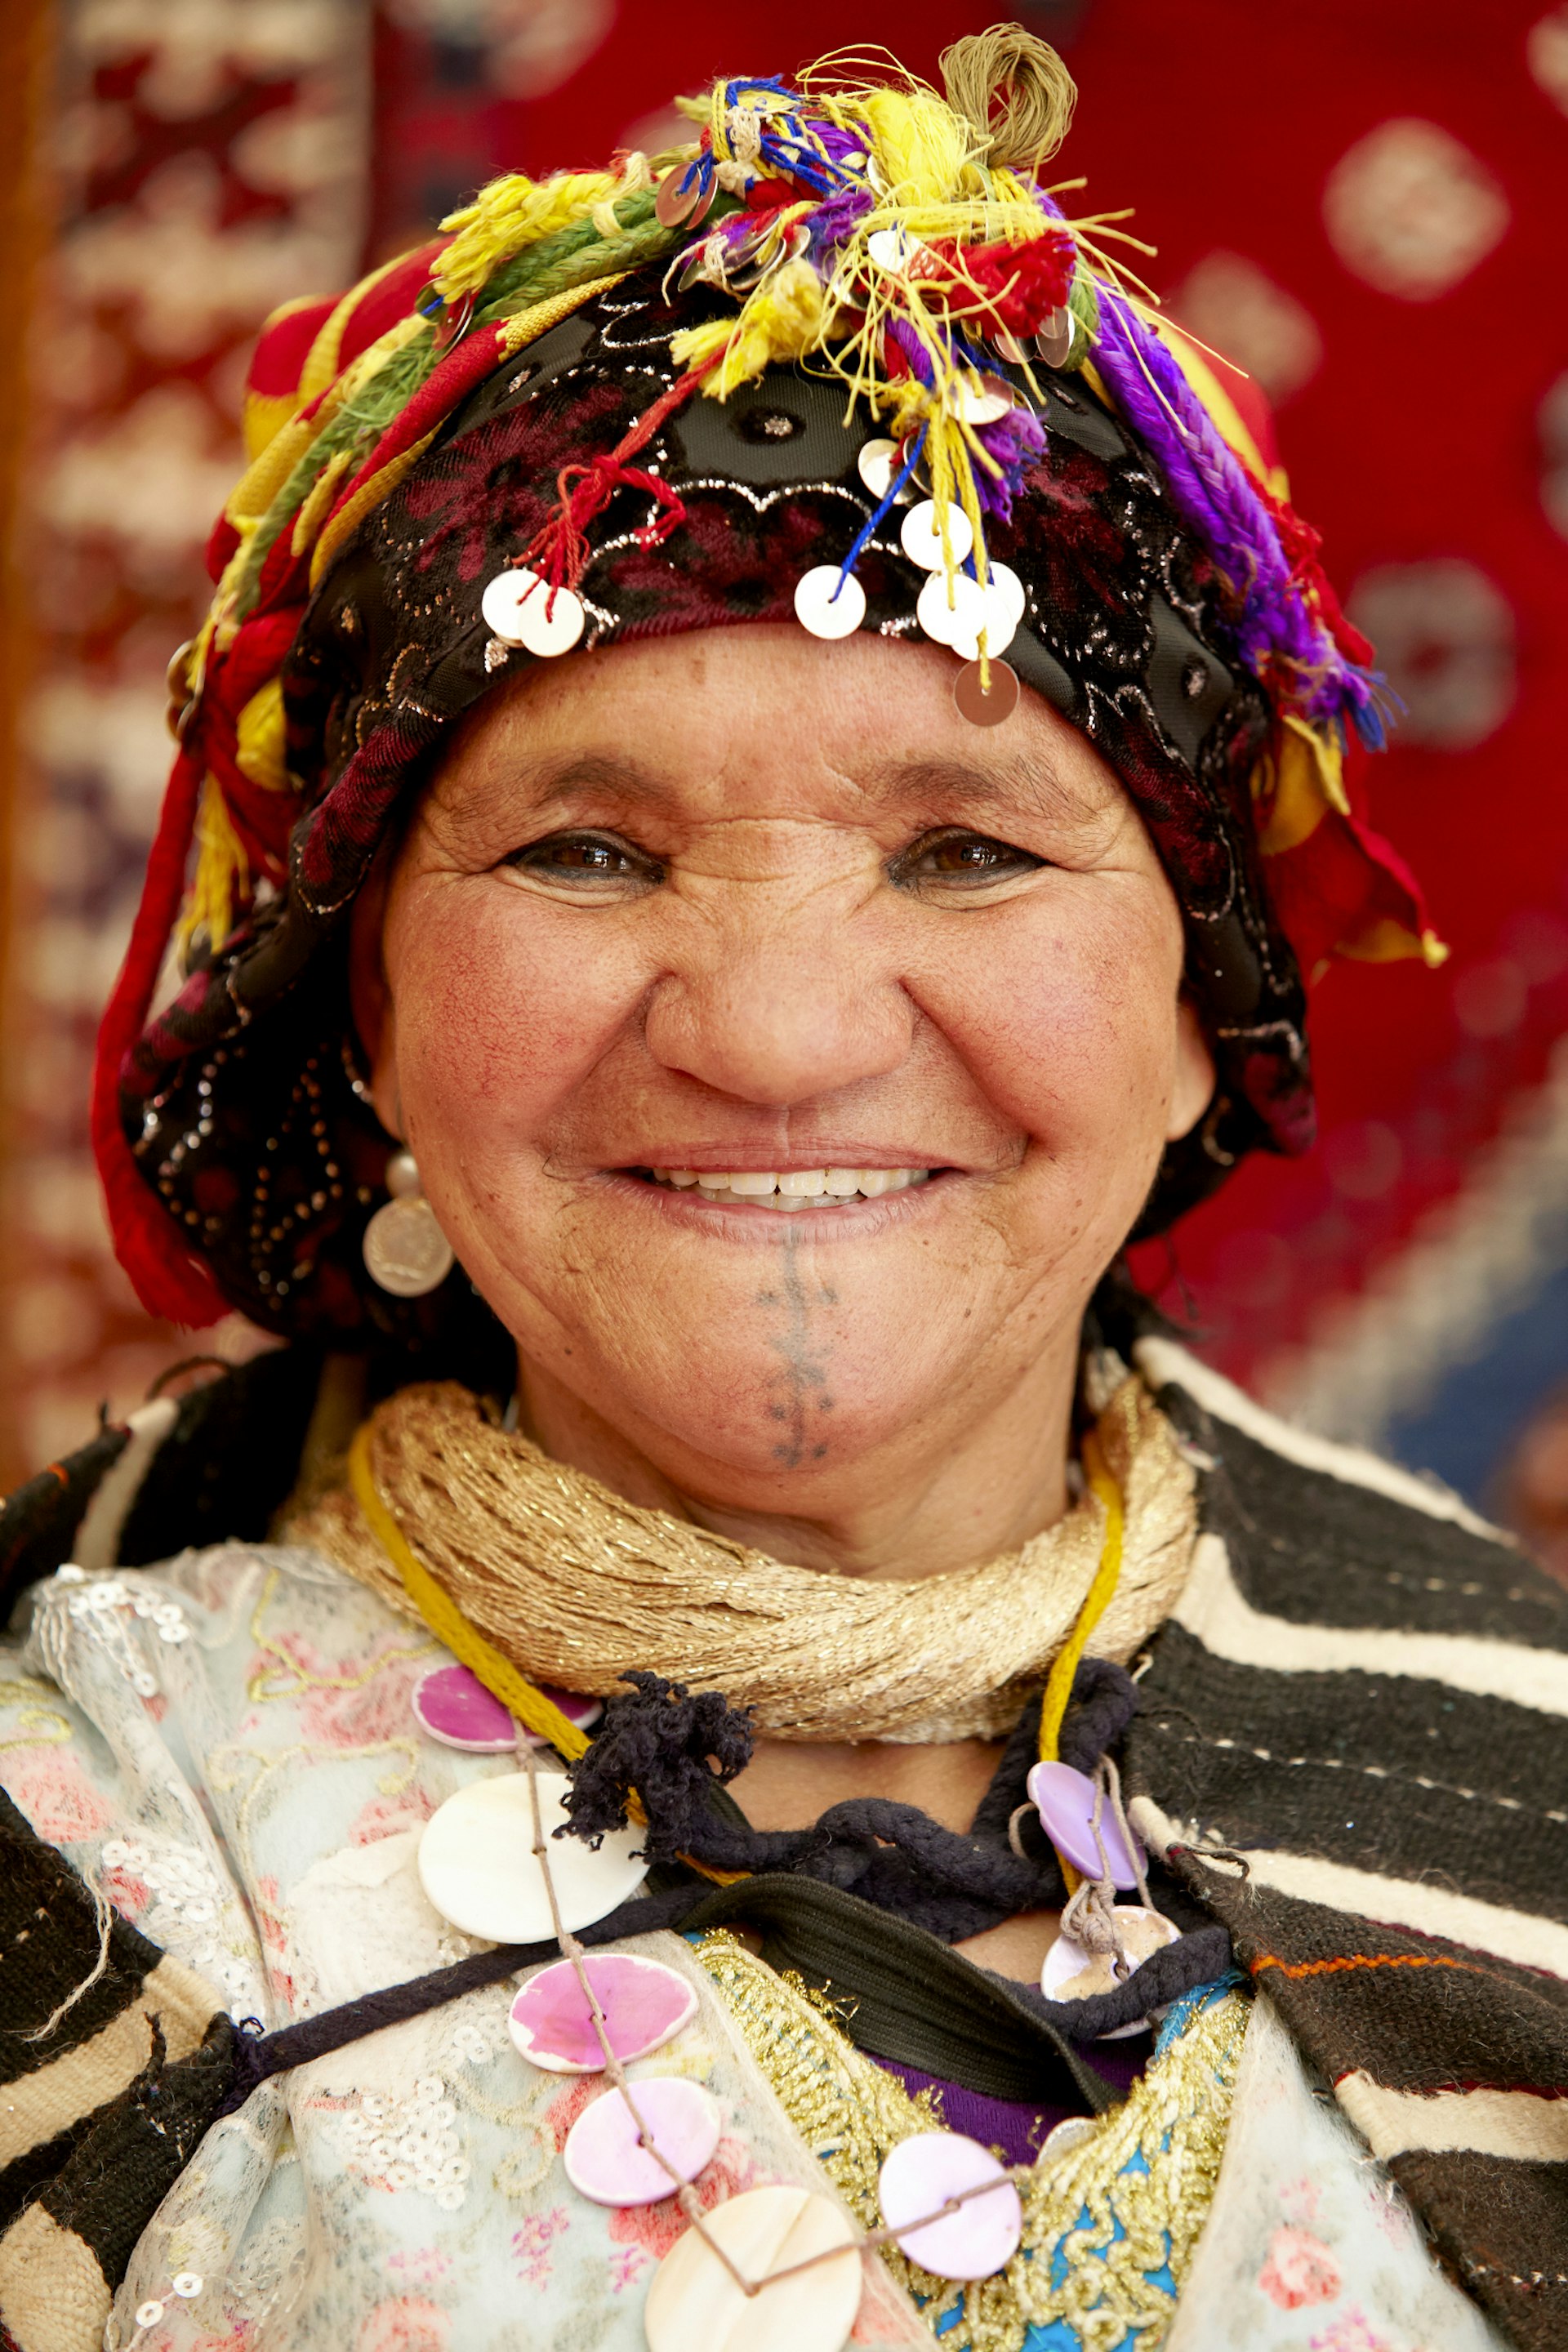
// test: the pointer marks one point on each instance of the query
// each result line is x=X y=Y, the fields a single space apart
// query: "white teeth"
x=793 y=1188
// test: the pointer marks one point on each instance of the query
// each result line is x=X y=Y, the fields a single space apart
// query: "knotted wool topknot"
x=673 y=1748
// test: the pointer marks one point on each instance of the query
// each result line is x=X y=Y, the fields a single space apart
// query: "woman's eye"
x=962 y=857
x=587 y=857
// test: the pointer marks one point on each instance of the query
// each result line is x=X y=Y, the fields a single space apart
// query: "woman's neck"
x=930 y=1501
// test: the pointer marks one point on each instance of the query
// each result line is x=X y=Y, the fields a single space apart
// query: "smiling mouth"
x=788 y=1188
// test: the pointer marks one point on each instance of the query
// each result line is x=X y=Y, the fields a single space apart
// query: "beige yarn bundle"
x=574 y=1585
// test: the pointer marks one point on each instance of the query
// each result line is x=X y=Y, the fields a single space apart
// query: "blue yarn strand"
x=853 y=558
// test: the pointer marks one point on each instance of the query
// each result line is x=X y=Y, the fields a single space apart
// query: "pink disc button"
x=608 y=2161
x=643 y=2003
x=1067 y=1802
x=454 y=1707
x=979 y=2237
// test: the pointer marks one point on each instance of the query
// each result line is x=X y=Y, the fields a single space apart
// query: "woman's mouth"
x=788 y=1188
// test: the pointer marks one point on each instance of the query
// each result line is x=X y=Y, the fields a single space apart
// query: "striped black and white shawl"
x=1353 y=1747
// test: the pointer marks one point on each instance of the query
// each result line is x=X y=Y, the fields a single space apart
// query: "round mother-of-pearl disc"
x=824 y=607
x=1071 y=1971
x=608 y=2160
x=694 y=2305
x=920 y=535
x=984 y=400
x=1066 y=1802
x=980 y=2236
x=522 y=608
x=643 y=2003
x=879 y=462
x=477 y=1865
x=453 y=1705
x=995 y=615
x=947 y=621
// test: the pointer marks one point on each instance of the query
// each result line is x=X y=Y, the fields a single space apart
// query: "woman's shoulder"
x=210 y=1468
x=1317 y=1532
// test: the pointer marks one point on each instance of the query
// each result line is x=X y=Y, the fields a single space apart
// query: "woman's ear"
x=369 y=995
x=1194 y=1080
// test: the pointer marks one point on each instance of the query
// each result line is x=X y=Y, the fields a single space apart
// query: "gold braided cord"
x=574 y=1585
x=1114 y=2227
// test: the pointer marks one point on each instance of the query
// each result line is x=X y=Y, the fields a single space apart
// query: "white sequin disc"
x=892 y=250
x=878 y=462
x=521 y=609
x=825 y=608
x=1000 y=614
x=921 y=537
x=949 y=624
x=694 y=2305
x=983 y=400
x=477 y=1864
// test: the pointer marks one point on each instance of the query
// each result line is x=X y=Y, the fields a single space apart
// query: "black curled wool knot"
x=668 y=1745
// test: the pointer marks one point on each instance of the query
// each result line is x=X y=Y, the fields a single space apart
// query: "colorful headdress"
x=842 y=355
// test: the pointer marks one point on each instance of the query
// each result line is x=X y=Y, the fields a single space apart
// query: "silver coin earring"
x=405 y=1252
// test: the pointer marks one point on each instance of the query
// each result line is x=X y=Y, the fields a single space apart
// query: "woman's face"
x=742 y=903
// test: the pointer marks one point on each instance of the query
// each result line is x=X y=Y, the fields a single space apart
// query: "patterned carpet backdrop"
x=1361 y=204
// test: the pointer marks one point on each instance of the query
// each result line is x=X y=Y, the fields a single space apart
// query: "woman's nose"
x=780 y=1010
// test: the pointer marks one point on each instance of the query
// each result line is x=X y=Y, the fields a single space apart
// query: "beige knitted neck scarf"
x=574 y=1585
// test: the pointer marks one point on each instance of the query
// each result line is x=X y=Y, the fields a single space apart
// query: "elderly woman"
x=731 y=1744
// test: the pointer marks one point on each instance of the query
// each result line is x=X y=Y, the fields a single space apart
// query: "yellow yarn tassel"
x=782 y=321
x=521 y=1697
x=508 y=216
x=221 y=876
x=259 y=739
x=926 y=154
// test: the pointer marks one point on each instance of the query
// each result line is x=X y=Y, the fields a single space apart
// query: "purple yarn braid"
x=1210 y=490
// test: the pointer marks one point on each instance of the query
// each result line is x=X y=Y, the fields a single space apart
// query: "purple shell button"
x=643 y=2004
x=605 y=2158
x=1067 y=1802
x=976 y=2240
x=454 y=1707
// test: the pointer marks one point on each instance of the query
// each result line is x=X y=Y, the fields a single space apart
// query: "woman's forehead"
x=667 y=724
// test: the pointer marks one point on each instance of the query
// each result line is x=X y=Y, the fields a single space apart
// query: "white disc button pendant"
x=825 y=608
x=920 y=535
x=694 y=2305
x=523 y=609
x=478 y=1866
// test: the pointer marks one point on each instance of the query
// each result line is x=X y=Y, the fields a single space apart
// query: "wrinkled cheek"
x=499 y=1022
x=1079 y=1060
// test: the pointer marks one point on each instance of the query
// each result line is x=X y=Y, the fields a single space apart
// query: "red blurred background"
x=1360 y=205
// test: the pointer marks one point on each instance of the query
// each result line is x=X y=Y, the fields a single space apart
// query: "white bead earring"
x=405 y=1252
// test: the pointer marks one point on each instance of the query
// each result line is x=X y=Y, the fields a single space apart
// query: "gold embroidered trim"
x=851 y=2112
